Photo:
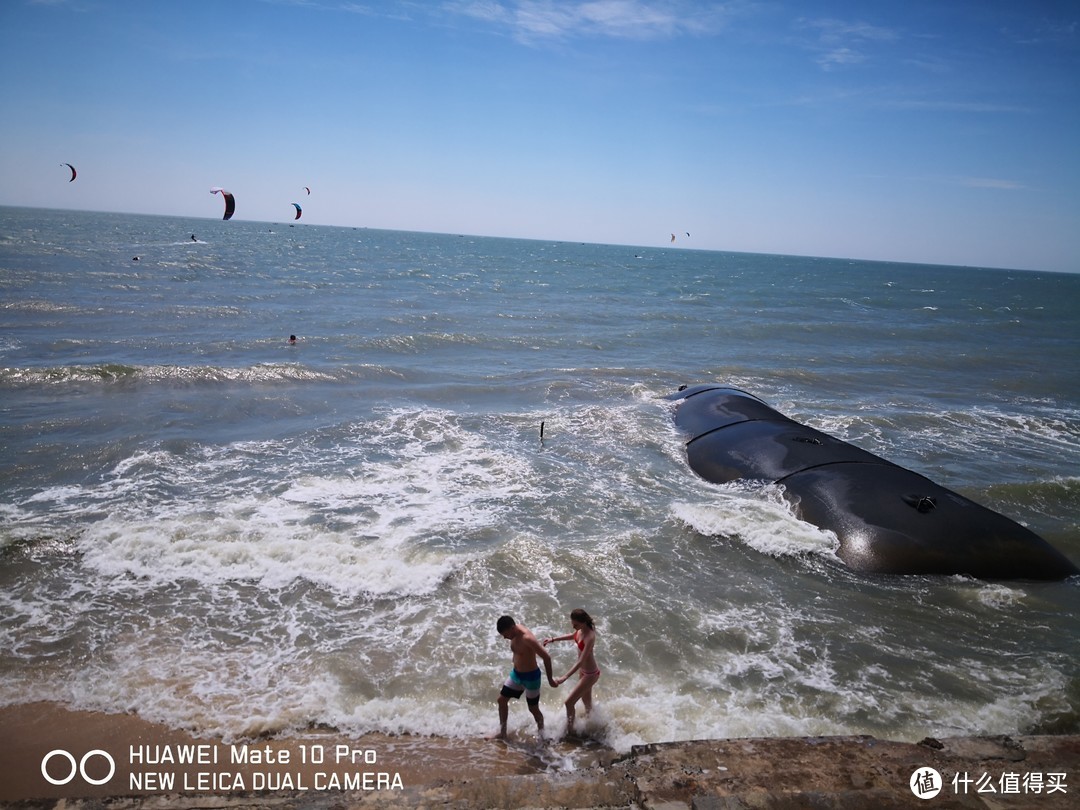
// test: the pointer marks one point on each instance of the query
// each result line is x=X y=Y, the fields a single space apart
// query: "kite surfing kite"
x=299 y=210
x=73 y=172
x=308 y=190
x=230 y=202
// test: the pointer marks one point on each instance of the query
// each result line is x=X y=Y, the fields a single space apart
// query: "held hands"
x=554 y=683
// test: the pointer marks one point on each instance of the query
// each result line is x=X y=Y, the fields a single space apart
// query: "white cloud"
x=989 y=182
x=617 y=19
x=833 y=31
x=954 y=106
x=839 y=57
x=840 y=43
x=486 y=10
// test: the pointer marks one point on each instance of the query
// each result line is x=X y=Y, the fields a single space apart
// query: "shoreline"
x=140 y=748
x=156 y=766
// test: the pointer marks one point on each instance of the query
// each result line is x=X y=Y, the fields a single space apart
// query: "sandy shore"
x=146 y=754
x=143 y=765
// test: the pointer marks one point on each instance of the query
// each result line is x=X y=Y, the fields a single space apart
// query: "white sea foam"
x=996 y=595
x=758 y=517
x=388 y=527
x=242 y=547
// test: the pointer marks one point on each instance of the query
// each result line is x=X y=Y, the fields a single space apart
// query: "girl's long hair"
x=579 y=615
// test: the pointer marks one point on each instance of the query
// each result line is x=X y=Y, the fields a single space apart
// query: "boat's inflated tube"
x=888 y=519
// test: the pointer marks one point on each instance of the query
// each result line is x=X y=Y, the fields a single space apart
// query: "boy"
x=525 y=676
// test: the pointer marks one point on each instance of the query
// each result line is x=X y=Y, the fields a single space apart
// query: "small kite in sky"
x=299 y=210
x=230 y=202
x=73 y=172
x=308 y=190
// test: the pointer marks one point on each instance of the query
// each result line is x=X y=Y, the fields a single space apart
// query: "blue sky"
x=945 y=131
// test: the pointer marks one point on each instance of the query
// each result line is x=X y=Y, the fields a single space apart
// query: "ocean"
x=226 y=532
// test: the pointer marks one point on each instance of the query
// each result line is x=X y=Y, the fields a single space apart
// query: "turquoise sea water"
x=223 y=531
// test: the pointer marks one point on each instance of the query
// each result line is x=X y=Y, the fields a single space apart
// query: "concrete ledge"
x=806 y=773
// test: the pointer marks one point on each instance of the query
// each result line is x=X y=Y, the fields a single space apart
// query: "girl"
x=584 y=636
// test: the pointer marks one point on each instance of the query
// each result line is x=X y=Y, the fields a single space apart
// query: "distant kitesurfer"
x=525 y=675
x=584 y=636
x=193 y=239
x=292 y=338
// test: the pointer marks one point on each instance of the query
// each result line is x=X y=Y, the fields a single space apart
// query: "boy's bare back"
x=525 y=648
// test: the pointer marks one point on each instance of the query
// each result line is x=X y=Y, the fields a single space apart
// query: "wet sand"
x=316 y=761
x=324 y=769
